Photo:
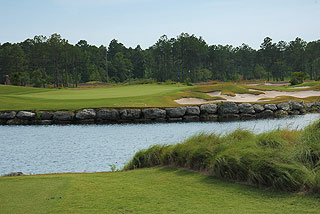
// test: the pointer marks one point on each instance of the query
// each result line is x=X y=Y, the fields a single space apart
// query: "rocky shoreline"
x=223 y=111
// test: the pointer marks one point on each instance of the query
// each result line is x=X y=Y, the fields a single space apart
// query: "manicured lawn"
x=153 y=190
x=150 y=95
x=26 y=98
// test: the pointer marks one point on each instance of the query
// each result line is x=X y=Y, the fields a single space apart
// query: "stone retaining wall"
x=224 y=111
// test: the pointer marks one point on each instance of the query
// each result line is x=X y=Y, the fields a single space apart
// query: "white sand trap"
x=302 y=87
x=250 y=97
x=191 y=101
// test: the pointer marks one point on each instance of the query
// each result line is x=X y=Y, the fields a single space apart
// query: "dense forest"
x=41 y=61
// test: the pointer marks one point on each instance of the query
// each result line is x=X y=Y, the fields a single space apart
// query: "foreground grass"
x=154 y=190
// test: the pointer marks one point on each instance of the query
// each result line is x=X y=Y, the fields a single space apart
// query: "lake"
x=92 y=148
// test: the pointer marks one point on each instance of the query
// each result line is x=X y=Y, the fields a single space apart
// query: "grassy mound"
x=281 y=159
x=229 y=89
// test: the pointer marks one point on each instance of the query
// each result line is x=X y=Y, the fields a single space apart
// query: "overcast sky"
x=134 y=22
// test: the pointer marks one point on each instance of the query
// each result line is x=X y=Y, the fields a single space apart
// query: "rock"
x=8 y=115
x=14 y=174
x=142 y=120
x=228 y=108
x=193 y=110
x=86 y=121
x=309 y=105
x=3 y=122
x=191 y=118
x=154 y=113
x=17 y=121
x=303 y=111
x=246 y=108
x=176 y=112
x=283 y=106
x=160 y=120
x=209 y=108
x=265 y=114
x=294 y=112
x=258 y=108
x=107 y=114
x=44 y=115
x=247 y=116
x=295 y=105
x=86 y=114
x=63 y=122
x=280 y=113
x=271 y=107
x=130 y=114
x=208 y=117
x=229 y=117
x=43 y=122
x=63 y=116
x=26 y=115
x=174 y=119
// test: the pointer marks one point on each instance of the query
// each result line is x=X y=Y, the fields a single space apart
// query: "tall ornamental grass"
x=287 y=160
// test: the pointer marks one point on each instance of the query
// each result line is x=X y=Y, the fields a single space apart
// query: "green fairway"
x=26 y=98
x=154 y=190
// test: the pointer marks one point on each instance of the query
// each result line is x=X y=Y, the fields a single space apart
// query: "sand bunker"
x=250 y=97
x=191 y=101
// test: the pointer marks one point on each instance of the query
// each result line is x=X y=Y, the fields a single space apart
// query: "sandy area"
x=191 y=101
x=250 y=97
x=269 y=84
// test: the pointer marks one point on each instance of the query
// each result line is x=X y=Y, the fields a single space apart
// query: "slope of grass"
x=282 y=159
x=154 y=190
x=229 y=89
x=315 y=85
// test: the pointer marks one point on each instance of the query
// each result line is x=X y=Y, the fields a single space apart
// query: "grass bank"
x=153 y=190
x=287 y=160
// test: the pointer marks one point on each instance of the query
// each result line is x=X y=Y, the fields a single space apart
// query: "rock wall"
x=224 y=111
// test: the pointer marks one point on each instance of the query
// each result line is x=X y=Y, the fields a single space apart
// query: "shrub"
x=298 y=78
x=187 y=82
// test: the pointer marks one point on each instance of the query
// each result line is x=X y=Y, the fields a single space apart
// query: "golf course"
x=150 y=95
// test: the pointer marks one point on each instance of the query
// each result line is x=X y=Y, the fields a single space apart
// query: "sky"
x=142 y=22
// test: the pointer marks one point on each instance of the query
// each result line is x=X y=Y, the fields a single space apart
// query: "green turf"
x=153 y=190
x=147 y=95
x=26 y=98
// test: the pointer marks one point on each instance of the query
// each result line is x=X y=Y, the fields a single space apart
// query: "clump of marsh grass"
x=287 y=160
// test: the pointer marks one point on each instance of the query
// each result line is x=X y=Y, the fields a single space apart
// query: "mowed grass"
x=26 y=98
x=152 y=190
x=147 y=95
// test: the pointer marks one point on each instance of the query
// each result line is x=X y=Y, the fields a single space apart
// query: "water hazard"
x=92 y=148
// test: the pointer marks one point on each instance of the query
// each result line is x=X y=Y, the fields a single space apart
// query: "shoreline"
x=223 y=111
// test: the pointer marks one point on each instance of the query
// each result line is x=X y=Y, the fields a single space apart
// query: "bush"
x=298 y=78
x=187 y=82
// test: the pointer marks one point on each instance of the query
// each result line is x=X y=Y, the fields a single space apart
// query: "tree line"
x=53 y=60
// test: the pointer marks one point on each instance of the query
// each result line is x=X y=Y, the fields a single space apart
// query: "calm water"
x=91 y=148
